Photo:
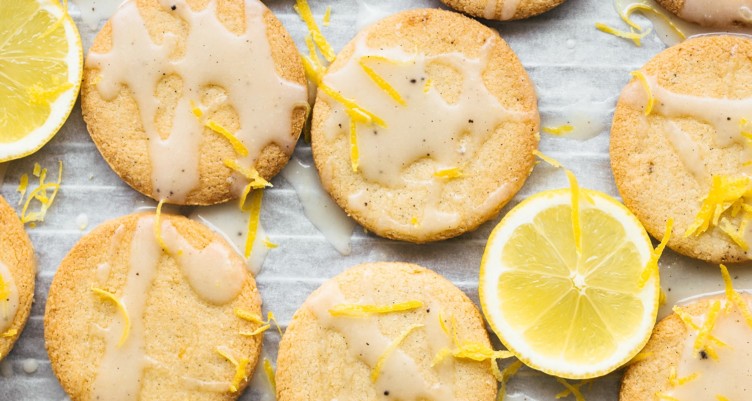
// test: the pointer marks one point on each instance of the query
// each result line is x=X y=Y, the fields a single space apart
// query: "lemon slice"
x=41 y=62
x=570 y=314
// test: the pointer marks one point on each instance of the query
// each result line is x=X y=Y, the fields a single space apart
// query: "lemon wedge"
x=570 y=307
x=41 y=62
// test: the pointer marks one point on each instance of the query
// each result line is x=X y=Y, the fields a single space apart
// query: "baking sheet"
x=569 y=61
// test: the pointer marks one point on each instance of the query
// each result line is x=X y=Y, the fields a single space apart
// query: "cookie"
x=443 y=126
x=668 y=160
x=671 y=347
x=335 y=349
x=17 y=271
x=126 y=320
x=712 y=13
x=170 y=102
x=503 y=10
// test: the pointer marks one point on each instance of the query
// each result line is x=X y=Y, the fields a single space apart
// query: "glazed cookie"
x=379 y=331
x=712 y=13
x=699 y=373
x=679 y=150
x=503 y=10
x=421 y=134
x=17 y=270
x=170 y=101
x=126 y=320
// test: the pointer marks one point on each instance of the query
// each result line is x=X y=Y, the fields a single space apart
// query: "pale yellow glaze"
x=717 y=12
x=427 y=128
x=212 y=55
x=731 y=375
x=9 y=304
x=400 y=375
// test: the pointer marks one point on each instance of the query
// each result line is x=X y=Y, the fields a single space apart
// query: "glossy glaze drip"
x=120 y=372
x=400 y=375
x=8 y=304
x=213 y=274
x=724 y=115
x=717 y=12
x=508 y=9
x=426 y=129
x=729 y=376
x=318 y=206
x=687 y=150
x=212 y=55
x=104 y=268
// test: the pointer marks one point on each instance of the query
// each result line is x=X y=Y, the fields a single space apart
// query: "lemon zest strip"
x=626 y=16
x=389 y=350
x=327 y=16
x=560 y=130
x=427 y=85
x=126 y=319
x=733 y=233
x=633 y=36
x=576 y=228
x=40 y=194
x=353 y=310
x=648 y=89
x=382 y=83
x=158 y=226
x=507 y=374
x=721 y=398
x=240 y=369
x=270 y=375
x=449 y=173
x=570 y=389
x=550 y=160
x=666 y=397
x=10 y=333
x=652 y=266
x=23 y=185
x=304 y=10
x=353 y=110
x=269 y=244
x=254 y=318
x=724 y=192
x=354 y=151
x=253 y=220
x=679 y=381
x=734 y=297
x=237 y=145
x=256 y=180
x=701 y=342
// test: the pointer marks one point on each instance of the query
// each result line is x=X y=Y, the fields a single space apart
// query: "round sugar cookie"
x=17 y=271
x=185 y=98
x=712 y=13
x=672 y=343
x=503 y=10
x=444 y=126
x=334 y=349
x=665 y=163
x=179 y=332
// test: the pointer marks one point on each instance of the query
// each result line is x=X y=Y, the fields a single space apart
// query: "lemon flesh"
x=41 y=63
x=574 y=315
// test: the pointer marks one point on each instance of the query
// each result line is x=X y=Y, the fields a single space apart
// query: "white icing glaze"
x=211 y=272
x=95 y=11
x=724 y=115
x=730 y=375
x=400 y=375
x=587 y=118
x=427 y=128
x=717 y=12
x=508 y=9
x=104 y=268
x=687 y=151
x=263 y=101
x=121 y=369
x=9 y=304
x=320 y=209
x=232 y=223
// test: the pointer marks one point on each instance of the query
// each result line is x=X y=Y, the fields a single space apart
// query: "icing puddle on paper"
x=400 y=377
x=95 y=11
x=444 y=133
x=728 y=376
x=8 y=298
x=212 y=55
x=320 y=209
x=121 y=369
